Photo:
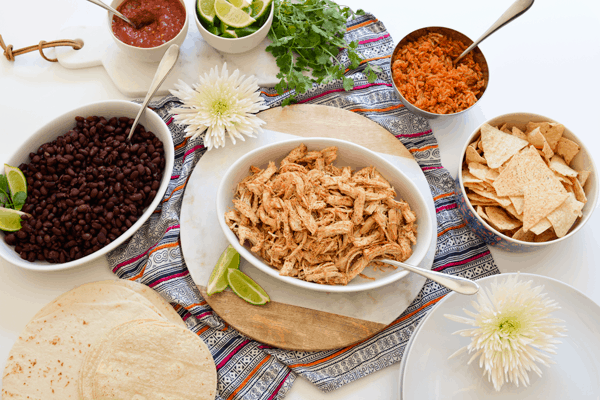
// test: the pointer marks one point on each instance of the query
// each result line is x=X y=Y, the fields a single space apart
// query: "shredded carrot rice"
x=424 y=74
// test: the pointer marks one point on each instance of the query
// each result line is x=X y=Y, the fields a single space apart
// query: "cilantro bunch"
x=10 y=200
x=307 y=35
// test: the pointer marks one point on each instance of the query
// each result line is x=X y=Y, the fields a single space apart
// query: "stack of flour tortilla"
x=109 y=340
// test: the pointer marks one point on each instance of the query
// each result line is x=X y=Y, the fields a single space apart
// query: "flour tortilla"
x=93 y=357
x=45 y=361
x=156 y=361
x=113 y=290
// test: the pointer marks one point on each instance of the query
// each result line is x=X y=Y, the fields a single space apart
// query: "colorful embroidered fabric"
x=248 y=369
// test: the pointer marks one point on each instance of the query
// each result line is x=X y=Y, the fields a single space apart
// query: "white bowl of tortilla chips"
x=526 y=181
x=348 y=155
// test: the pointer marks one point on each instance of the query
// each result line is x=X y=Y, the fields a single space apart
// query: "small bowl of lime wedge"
x=234 y=26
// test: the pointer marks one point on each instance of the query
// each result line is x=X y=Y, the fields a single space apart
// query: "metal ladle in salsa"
x=159 y=22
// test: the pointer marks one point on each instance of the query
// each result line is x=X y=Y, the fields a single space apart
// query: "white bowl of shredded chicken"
x=318 y=213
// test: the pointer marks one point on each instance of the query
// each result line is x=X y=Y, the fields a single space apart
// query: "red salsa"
x=160 y=21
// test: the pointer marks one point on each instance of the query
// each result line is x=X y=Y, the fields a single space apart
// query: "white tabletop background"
x=546 y=62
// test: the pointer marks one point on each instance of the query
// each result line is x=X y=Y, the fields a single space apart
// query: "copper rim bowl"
x=451 y=33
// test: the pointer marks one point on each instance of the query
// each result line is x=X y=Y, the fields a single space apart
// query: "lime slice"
x=231 y=15
x=206 y=10
x=10 y=220
x=229 y=34
x=218 y=278
x=246 y=288
x=259 y=7
x=16 y=180
x=239 y=3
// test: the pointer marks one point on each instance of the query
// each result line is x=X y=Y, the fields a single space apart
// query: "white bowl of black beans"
x=89 y=189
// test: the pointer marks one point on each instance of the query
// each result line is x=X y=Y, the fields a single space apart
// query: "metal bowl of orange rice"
x=425 y=78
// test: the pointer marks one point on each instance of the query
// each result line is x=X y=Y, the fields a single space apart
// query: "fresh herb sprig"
x=10 y=200
x=307 y=35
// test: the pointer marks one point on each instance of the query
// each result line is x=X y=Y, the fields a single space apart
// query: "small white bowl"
x=61 y=125
x=150 y=54
x=349 y=154
x=239 y=45
x=582 y=161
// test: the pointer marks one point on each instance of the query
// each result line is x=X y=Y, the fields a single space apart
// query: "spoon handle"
x=455 y=283
x=514 y=11
x=110 y=9
x=166 y=64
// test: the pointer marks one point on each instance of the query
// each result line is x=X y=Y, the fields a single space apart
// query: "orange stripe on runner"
x=441 y=196
x=416 y=311
x=176 y=189
x=423 y=148
x=164 y=246
x=201 y=331
x=370 y=59
x=272 y=95
x=378 y=109
x=361 y=25
x=140 y=274
x=182 y=143
x=241 y=386
x=451 y=228
x=195 y=304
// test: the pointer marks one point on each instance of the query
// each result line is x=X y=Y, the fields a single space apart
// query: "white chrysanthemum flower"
x=512 y=331
x=220 y=104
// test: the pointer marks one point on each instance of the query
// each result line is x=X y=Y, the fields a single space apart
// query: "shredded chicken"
x=314 y=221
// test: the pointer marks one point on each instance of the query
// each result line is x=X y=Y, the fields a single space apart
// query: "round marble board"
x=296 y=318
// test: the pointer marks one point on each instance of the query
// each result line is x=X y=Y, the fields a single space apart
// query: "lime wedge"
x=259 y=7
x=239 y=3
x=229 y=34
x=16 y=180
x=206 y=10
x=246 y=288
x=230 y=259
x=231 y=15
x=10 y=220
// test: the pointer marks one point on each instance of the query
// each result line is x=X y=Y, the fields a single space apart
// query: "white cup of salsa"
x=147 y=54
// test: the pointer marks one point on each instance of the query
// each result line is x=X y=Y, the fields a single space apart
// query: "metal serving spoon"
x=455 y=283
x=136 y=24
x=165 y=66
x=518 y=7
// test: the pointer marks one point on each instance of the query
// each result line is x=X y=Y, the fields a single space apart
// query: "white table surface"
x=545 y=62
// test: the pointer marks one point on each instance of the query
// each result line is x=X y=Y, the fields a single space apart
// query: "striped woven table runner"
x=251 y=370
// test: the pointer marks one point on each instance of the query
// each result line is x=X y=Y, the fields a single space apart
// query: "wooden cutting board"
x=287 y=326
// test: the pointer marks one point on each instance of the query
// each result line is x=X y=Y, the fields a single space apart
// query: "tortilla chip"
x=498 y=146
x=541 y=198
x=568 y=149
x=482 y=213
x=473 y=156
x=527 y=166
x=504 y=201
x=542 y=126
x=568 y=188
x=524 y=236
x=485 y=203
x=517 y=202
x=480 y=145
x=546 y=236
x=505 y=129
x=565 y=215
x=536 y=138
x=518 y=133
x=482 y=172
x=554 y=134
x=559 y=165
x=564 y=180
x=469 y=178
x=513 y=211
x=501 y=220
x=541 y=226
x=547 y=152
x=582 y=176
x=578 y=191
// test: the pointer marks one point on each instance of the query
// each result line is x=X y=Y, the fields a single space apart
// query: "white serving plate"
x=426 y=372
x=61 y=125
